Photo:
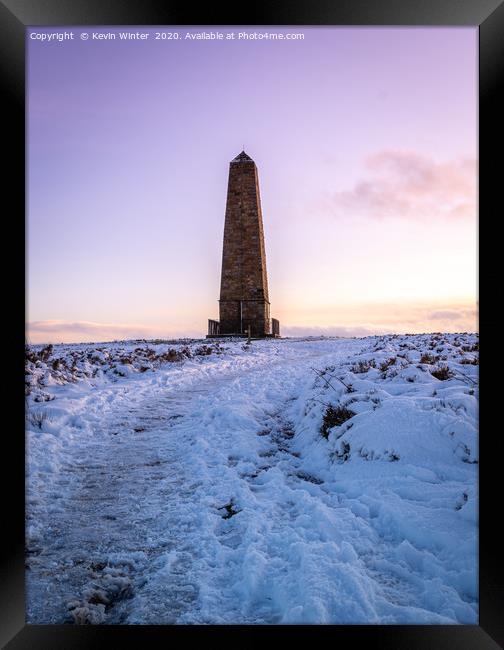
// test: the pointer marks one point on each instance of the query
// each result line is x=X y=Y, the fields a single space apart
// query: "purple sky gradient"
x=366 y=145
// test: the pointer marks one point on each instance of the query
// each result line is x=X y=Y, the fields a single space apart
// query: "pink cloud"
x=452 y=314
x=410 y=185
x=294 y=331
x=58 y=331
x=386 y=318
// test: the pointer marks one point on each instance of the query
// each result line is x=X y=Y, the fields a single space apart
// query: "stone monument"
x=244 y=307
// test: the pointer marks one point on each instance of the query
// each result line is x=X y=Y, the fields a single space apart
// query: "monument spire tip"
x=242 y=157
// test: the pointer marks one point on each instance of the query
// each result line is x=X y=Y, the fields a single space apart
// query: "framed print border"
x=15 y=17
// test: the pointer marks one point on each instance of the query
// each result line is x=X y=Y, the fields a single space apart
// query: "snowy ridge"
x=50 y=365
x=288 y=481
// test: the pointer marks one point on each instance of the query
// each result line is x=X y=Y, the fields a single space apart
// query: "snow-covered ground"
x=285 y=481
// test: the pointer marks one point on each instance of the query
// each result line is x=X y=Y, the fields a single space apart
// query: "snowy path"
x=189 y=504
x=135 y=506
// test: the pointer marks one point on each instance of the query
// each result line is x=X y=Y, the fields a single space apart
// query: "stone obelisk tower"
x=244 y=306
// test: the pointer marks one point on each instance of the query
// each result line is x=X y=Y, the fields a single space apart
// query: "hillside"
x=285 y=481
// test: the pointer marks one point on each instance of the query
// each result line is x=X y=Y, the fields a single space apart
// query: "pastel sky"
x=366 y=145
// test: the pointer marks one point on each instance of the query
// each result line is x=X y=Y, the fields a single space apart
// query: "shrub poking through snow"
x=172 y=355
x=203 y=350
x=385 y=365
x=343 y=454
x=442 y=373
x=46 y=352
x=390 y=456
x=31 y=356
x=363 y=366
x=428 y=358
x=334 y=417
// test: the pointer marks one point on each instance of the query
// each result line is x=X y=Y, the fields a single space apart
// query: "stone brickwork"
x=244 y=299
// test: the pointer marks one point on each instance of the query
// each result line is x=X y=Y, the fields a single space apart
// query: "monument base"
x=243 y=336
x=214 y=331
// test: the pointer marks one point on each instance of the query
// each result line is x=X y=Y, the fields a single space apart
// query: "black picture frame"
x=488 y=15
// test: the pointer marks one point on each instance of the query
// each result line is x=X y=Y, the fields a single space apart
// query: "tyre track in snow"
x=107 y=526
